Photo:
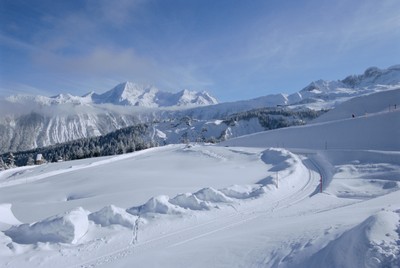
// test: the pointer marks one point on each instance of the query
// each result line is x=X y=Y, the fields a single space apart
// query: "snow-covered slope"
x=377 y=129
x=362 y=106
x=358 y=133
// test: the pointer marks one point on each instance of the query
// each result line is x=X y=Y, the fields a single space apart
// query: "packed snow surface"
x=243 y=203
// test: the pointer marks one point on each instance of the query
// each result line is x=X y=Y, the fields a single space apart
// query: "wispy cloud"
x=219 y=45
x=370 y=22
x=119 y=13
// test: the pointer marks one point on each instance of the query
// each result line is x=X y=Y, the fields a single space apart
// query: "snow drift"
x=190 y=201
x=159 y=204
x=212 y=195
x=372 y=243
x=111 y=215
x=65 y=228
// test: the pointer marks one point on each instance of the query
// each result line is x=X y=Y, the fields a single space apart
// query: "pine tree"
x=2 y=164
x=30 y=161
x=10 y=161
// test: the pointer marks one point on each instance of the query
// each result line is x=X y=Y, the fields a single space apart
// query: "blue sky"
x=234 y=49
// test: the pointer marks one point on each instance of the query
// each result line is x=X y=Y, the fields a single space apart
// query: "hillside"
x=180 y=130
x=378 y=128
x=28 y=122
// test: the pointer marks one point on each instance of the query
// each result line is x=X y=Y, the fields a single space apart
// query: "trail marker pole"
x=320 y=185
x=277 y=180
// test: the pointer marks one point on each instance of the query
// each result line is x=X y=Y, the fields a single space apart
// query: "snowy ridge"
x=374 y=75
x=328 y=94
x=125 y=94
x=28 y=122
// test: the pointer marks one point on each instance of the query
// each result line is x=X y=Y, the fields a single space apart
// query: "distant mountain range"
x=28 y=122
x=126 y=94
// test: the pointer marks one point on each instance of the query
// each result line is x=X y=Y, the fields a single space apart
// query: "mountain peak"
x=374 y=76
x=126 y=93
x=131 y=94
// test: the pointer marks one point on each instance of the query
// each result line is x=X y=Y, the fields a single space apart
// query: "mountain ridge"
x=125 y=94
x=28 y=122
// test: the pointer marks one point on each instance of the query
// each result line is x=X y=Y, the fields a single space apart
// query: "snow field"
x=71 y=226
x=127 y=180
x=117 y=237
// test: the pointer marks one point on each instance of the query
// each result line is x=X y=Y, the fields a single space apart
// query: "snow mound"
x=190 y=201
x=6 y=215
x=212 y=195
x=159 y=204
x=243 y=191
x=64 y=228
x=111 y=214
x=374 y=242
x=281 y=159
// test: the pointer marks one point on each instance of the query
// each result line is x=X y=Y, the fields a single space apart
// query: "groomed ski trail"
x=244 y=213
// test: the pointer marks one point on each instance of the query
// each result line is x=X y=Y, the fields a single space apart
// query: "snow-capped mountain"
x=374 y=75
x=33 y=121
x=54 y=100
x=148 y=96
x=126 y=94
x=327 y=94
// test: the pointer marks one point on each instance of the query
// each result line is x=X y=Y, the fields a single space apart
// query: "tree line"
x=121 y=141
